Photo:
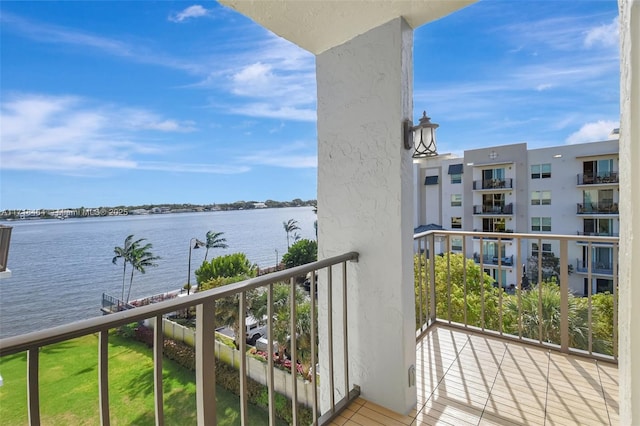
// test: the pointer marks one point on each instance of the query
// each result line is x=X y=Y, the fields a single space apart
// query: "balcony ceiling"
x=317 y=26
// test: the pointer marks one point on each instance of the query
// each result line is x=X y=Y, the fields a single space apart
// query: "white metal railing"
x=553 y=314
x=204 y=303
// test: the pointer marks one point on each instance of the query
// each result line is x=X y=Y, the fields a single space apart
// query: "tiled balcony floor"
x=471 y=379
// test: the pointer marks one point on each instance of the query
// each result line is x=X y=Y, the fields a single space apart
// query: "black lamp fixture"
x=196 y=245
x=421 y=138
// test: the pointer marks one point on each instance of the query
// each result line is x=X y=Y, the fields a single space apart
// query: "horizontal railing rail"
x=598 y=234
x=597 y=267
x=493 y=209
x=204 y=302
x=598 y=178
x=597 y=208
x=506 y=299
x=493 y=184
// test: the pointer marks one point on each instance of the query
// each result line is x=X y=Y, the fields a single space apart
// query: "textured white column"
x=629 y=296
x=365 y=203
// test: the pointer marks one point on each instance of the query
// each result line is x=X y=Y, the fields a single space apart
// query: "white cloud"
x=544 y=86
x=72 y=135
x=291 y=156
x=46 y=33
x=593 y=132
x=606 y=35
x=192 y=167
x=273 y=110
x=195 y=11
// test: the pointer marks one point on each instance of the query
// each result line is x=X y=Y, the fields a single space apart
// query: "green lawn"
x=69 y=387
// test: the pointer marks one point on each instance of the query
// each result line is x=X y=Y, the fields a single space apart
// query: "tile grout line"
x=604 y=397
x=546 y=394
x=441 y=379
x=504 y=354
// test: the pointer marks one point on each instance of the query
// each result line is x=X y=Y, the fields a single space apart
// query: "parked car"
x=254 y=330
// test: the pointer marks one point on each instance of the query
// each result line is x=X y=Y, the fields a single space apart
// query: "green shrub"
x=230 y=265
x=301 y=253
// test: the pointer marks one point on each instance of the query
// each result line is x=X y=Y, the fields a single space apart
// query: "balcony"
x=492 y=184
x=597 y=208
x=493 y=210
x=493 y=260
x=599 y=268
x=479 y=356
x=598 y=234
x=5 y=242
x=608 y=178
x=466 y=378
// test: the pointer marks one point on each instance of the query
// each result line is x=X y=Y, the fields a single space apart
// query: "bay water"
x=60 y=268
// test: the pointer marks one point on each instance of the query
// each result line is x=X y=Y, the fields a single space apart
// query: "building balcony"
x=597 y=208
x=608 y=178
x=499 y=234
x=598 y=234
x=493 y=184
x=493 y=260
x=5 y=242
x=467 y=378
x=493 y=210
x=481 y=354
x=598 y=268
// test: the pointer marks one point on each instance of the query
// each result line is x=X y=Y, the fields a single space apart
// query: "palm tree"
x=124 y=253
x=214 y=240
x=141 y=258
x=290 y=226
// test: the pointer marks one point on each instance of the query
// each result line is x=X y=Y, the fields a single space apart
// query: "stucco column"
x=629 y=296
x=365 y=203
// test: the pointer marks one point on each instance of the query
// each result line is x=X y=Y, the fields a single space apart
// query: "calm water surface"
x=61 y=268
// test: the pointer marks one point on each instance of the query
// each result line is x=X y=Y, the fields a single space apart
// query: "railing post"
x=158 y=343
x=564 y=294
x=103 y=377
x=205 y=364
x=270 y=383
x=33 y=386
x=432 y=278
x=242 y=353
x=294 y=353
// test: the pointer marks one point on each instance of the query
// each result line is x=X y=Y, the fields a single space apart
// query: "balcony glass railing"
x=598 y=208
x=36 y=347
x=493 y=209
x=535 y=301
x=493 y=184
x=598 y=178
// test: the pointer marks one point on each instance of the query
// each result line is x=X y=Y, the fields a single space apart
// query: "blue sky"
x=108 y=103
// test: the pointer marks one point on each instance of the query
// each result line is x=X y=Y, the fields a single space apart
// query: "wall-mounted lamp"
x=422 y=138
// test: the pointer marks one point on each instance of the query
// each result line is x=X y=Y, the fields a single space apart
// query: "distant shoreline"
x=10 y=215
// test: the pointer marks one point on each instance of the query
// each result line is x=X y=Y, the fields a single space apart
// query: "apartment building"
x=567 y=189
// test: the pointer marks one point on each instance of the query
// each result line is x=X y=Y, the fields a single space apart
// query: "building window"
x=598 y=227
x=456 y=200
x=431 y=180
x=540 y=224
x=456 y=223
x=541 y=171
x=493 y=224
x=456 y=178
x=456 y=243
x=540 y=198
x=546 y=250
